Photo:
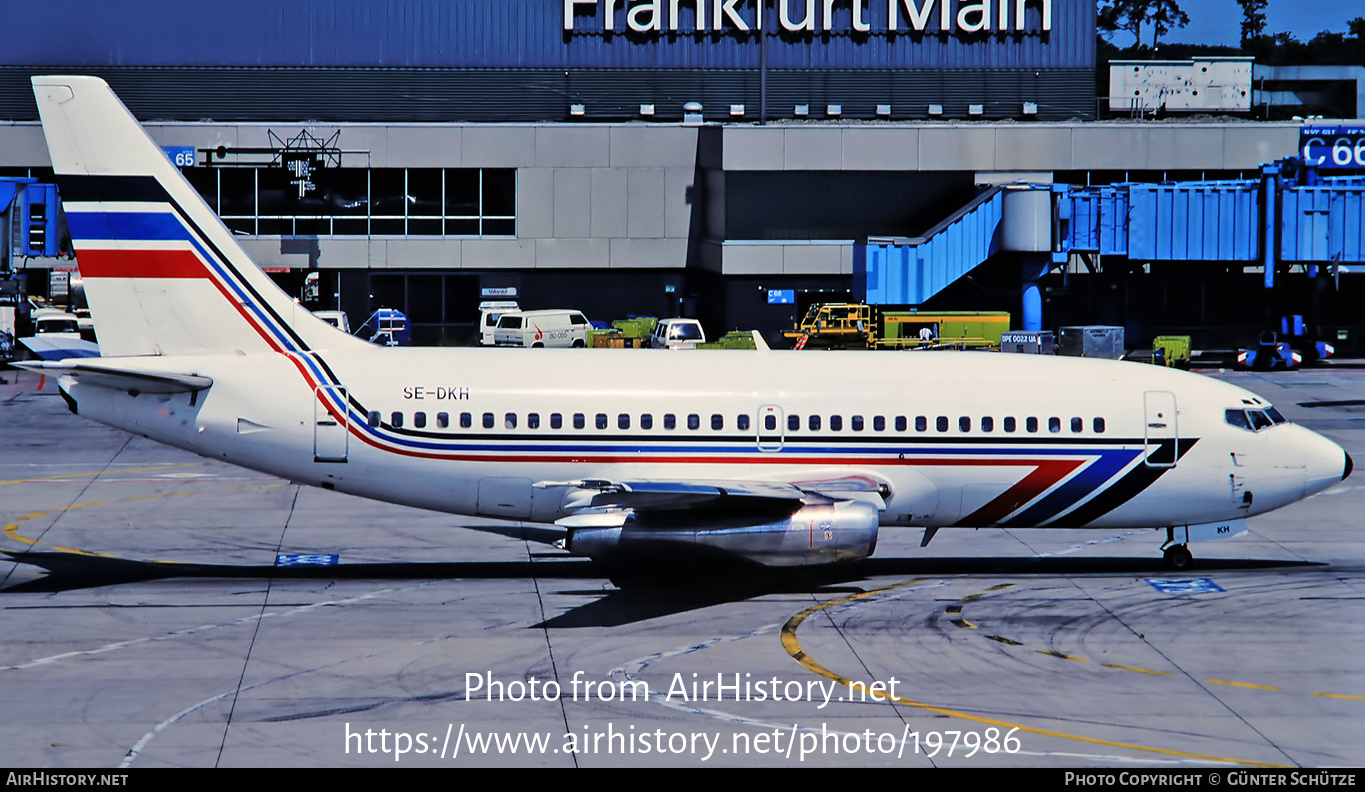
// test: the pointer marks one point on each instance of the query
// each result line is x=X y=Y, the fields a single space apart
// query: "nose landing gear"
x=1175 y=556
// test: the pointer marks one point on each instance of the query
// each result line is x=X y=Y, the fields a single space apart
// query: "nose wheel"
x=1177 y=558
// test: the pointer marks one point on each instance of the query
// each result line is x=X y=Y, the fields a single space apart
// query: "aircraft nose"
x=1326 y=463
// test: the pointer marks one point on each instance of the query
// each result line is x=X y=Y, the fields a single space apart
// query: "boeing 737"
x=780 y=458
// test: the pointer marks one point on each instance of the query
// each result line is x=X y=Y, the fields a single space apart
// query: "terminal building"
x=722 y=159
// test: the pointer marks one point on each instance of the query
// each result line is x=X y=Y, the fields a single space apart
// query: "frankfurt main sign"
x=808 y=16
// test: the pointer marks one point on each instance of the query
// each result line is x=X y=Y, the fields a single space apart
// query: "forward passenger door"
x=1162 y=430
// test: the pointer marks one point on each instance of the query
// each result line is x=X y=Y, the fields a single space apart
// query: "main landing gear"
x=1175 y=557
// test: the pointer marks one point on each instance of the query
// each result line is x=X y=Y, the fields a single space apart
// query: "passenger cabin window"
x=488 y=420
x=466 y=420
x=623 y=421
x=814 y=423
x=373 y=418
x=941 y=424
x=396 y=420
x=556 y=421
x=836 y=423
x=579 y=421
x=694 y=422
x=509 y=421
x=1009 y=424
x=987 y=424
x=879 y=423
x=770 y=423
x=670 y=421
x=921 y=423
x=443 y=420
x=742 y=423
x=793 y=423
x=856 y=423
x=900 y=423
x=1031 y=424
x=1098 y=425
x=1077 y=425
x=1054 y=424
x=717 y=422
x=533 y=421
x=647 y=421
x=601 y=421
x=964 y=424
x=419 y=420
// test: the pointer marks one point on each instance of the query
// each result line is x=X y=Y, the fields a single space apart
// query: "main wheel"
x=1177 y=558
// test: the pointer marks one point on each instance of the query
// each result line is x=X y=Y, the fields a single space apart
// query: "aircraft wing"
x=106 y=375
x=607 y=502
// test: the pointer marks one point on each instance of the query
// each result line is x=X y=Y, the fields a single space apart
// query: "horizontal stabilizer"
x=60 y=348
x=105 y=375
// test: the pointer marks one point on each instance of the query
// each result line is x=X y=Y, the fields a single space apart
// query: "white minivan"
x=677 y=334
x=550 y=328
x=489 y=313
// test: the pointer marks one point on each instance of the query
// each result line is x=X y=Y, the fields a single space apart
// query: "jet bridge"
x=1289 y=216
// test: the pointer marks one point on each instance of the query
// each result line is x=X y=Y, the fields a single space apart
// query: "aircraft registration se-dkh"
x=780 y=458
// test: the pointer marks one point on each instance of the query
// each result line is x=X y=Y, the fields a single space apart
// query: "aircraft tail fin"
x=163 y=275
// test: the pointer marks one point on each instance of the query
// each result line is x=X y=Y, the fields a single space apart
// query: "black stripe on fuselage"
x=692 y=436
x=1123 y=490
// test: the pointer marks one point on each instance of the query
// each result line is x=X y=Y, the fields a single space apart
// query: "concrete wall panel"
x=573 y=147
x=572 y=202
x=871 y=148
x=502 y=146
x=536 y=206
x=609 y=196
x=645 y=203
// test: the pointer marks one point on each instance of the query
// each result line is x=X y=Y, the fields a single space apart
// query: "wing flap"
x=600 y=496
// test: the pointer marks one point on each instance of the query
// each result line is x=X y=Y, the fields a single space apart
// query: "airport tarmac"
x=148 y=622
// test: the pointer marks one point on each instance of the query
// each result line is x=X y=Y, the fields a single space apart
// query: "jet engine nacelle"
x=817 y=533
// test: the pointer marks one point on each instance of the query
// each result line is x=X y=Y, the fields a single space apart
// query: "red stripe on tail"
x=140 y=264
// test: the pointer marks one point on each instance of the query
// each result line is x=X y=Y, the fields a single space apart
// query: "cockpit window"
x=1254 y=420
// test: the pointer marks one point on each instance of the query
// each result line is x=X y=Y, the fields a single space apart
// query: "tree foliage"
x=1131 y=16
x=1253 y=19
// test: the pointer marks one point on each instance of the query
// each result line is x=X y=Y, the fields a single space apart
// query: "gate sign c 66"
x=1333 y=146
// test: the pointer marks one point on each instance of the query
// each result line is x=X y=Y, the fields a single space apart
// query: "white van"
x=489 y=313
x=336 y=319
x=551 y=328
x=677 y=334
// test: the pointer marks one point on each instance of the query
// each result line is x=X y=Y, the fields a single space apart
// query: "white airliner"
x=781 y=458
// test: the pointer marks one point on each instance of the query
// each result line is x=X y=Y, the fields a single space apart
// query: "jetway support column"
x=1027 y=228
x=1033 y=267
x=1270 y=226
